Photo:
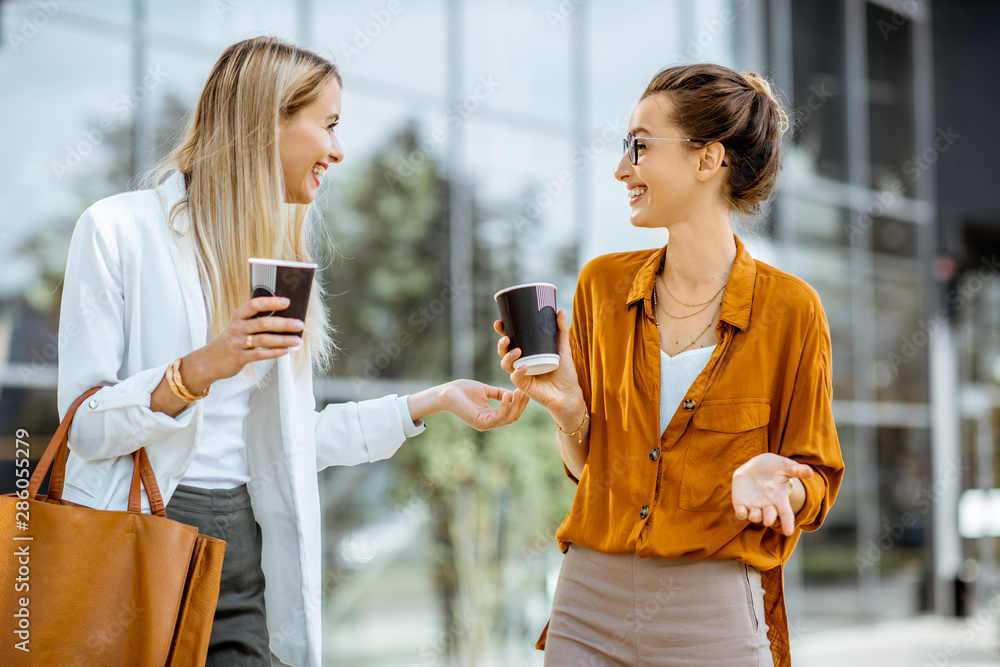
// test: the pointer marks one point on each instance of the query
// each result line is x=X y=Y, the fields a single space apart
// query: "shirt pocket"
x=725 y=434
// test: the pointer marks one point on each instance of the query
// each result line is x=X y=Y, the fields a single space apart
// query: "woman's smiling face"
x=660 y=185
x=307 y=145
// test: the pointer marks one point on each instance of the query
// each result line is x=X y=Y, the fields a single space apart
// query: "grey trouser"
x=239 y=632
x=619 y=610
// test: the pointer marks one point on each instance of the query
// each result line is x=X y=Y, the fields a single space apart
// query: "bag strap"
x=56 y=445
x=143 y=470
x=58 y=451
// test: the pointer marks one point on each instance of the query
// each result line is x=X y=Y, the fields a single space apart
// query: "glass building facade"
x=523 y=106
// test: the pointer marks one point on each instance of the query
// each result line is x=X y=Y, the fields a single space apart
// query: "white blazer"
x=132 y=303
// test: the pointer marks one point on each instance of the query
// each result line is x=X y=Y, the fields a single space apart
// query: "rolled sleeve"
x=362 y=432
x=810 y=433
x=815 y=487
x=118 y=420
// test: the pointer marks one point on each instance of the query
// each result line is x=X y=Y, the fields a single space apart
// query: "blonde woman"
x=154 y=309
x=693 y=401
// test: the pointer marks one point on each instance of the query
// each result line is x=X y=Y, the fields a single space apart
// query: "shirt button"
x=654 y=454
x=92 y=404
x=644 y=512
x=689 y=404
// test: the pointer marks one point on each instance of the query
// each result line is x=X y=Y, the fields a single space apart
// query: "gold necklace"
x=689 y=305
x=684 y=317
x=685 y=348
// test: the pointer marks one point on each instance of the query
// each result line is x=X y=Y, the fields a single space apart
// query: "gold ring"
x=250 y=342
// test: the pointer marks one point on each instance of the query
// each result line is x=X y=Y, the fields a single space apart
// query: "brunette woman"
x=693 y=401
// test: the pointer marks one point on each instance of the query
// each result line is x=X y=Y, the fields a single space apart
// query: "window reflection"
x=902 y=334
x=821 y=258
x=890 y=100
x=818 y=86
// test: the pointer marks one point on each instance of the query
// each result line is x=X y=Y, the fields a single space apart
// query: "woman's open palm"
x=760 y=490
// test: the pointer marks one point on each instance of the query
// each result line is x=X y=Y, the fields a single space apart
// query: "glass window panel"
x=827 y=274
x=219 y=23
x=905 y=500
x=900 y=372
x=821 y=257
x=400 y=55
x=118 y=11
x=818 y=86
x=57 y=116
x=894 y=237
x=816 y=223
x=976 y=304
x=904 y=481
x=890 y=99
x=615 y=87
x=828 y=555
x=509 y=77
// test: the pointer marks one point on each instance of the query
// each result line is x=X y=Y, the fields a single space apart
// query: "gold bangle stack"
x=578 y=432
x=177 y=384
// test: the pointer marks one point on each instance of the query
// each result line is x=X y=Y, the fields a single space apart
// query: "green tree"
x=389 y=277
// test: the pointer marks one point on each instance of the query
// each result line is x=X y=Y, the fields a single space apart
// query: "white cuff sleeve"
x=410 y=427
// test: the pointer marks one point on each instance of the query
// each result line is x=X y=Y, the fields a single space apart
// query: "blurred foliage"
x=496 y=498
x=389 y=278
x=495 y=501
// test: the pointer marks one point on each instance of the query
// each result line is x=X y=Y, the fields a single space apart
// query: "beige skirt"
x=619 y=610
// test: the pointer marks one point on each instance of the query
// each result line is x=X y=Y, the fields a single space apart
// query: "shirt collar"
x=739 y=289
x=170 y=192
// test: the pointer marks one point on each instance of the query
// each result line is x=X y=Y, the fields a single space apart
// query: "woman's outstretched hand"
x=558 y=391
x=765 y=489
x=469 y=401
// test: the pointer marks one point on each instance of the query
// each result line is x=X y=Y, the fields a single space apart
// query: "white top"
x=132 y=303
x=219 y=461
x=676 y=375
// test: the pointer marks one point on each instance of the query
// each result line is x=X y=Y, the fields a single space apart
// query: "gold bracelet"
x=177 y=384
x=181 y=389
x=577 y=432
x=181 y=386
x=172 y=383
x=182 y=394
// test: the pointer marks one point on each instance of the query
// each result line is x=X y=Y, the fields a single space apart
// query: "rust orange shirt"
x=766 y=388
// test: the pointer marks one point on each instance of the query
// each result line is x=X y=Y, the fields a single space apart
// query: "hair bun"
x=763 y=86
x=740 y=111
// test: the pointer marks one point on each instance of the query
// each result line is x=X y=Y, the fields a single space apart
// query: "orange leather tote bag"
x=94 y=587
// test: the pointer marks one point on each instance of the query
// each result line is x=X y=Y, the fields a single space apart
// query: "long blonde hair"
x=235 y=198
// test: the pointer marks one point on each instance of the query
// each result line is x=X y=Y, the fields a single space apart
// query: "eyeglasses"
x=631 y=145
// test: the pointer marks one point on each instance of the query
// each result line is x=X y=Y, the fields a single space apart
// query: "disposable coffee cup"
x=528 y=313
x=276 y=277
